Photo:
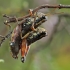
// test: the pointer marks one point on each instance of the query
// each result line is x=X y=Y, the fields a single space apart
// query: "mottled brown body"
x=26 y=33
x=15 y=41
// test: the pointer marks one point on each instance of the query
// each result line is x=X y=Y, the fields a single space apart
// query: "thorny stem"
x=4 y=37
x=60 y=6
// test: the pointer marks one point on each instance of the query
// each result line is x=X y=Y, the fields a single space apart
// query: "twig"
x=60 y=6
x=5 y=37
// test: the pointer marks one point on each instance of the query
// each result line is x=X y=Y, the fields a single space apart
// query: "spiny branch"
x=4 y=37
x=13 y=19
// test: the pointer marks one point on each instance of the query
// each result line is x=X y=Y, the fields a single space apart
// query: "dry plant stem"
x=5 y=37
x=60 y=6
x=44 y=6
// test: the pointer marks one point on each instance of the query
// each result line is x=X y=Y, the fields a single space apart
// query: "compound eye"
x=12 y=44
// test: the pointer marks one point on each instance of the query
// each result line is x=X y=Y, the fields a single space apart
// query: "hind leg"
x=23 y=49
x=28 y=47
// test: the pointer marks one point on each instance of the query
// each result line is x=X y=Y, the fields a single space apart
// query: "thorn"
x=4 y=15
x=2 y=36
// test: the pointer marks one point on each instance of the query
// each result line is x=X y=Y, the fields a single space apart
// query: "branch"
x=13 y=19
x=5 y=37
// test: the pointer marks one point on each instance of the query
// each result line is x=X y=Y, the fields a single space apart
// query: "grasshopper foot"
x=22 y=59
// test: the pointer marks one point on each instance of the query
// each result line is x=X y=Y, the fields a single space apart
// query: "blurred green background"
x=49 y=53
